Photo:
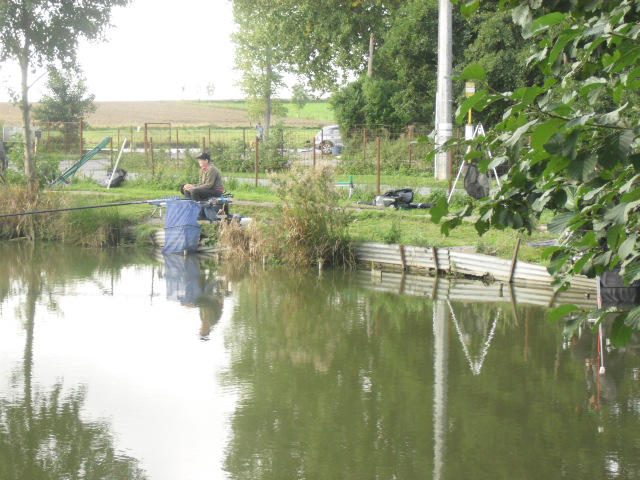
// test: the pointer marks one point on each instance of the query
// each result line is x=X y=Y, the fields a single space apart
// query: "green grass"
x=315 y=110
x=383 y=225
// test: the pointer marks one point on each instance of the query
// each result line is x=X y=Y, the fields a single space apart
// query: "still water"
x=129 y=364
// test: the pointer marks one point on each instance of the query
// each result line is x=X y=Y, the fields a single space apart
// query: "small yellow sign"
x=470 y=89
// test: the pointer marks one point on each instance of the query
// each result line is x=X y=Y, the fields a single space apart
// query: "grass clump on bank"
x=308 y=227
x=92 y=228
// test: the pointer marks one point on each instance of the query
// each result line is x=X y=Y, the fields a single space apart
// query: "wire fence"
x=365 y=150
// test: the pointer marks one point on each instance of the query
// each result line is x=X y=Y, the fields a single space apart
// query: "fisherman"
x=210 y=183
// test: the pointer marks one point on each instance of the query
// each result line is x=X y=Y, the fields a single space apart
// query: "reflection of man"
x=210 y=312
x=193 y=287
x=210 y=183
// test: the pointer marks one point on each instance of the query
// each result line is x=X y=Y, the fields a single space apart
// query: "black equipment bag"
x=475 y=183
x=401 y=198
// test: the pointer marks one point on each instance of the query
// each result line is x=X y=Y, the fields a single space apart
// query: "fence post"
x=378 y=165
x=410 y=144
x=177 y=144
x=81 y=137
x=153 y=167
x=204 y=139
x=257 y=148
x=244 y=144
x=364 y=146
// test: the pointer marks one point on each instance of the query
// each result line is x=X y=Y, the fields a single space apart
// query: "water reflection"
x=304 y=376
x=42 y=434
x=193 y=285
x=338 y=369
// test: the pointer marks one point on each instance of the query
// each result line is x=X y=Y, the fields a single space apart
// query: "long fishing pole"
x=78 y=208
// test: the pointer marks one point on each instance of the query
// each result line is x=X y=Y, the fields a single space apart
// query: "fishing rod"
x=86 y=207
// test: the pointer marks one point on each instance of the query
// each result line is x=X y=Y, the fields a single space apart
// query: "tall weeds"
x=93 y=227
x=310 y=226
x=16 y=199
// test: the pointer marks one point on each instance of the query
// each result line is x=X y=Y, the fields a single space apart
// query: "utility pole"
x=444 y=95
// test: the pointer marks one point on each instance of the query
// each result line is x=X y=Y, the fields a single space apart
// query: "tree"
x=572 y=144
x=407 y=62
x=37 y=33
x=66 y=104
x=323 y=43
x=299 y=96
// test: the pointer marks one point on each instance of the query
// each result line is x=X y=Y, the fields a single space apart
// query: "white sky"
x=156 y=50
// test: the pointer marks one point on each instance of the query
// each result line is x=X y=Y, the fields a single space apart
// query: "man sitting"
x=210 y=183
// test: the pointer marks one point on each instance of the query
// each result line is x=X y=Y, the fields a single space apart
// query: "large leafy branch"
x=570 y=144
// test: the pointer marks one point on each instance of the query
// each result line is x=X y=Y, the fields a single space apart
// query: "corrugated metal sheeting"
x=463 y=263
x=460 y=289
x=425 y=259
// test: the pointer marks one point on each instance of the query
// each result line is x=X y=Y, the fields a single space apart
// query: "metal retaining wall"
x=432 y=259
x=465 y=290
x=458 y=262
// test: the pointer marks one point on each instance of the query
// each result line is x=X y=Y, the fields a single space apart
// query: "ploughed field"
x=116 y=114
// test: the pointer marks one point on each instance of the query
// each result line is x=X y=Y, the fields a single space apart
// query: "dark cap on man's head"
x=203 y=156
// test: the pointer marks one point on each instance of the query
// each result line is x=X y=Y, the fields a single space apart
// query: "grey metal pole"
x=444 y=95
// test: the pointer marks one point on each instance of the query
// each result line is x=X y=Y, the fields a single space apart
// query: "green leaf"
x=469 y=7
x=582 y=167
x=615 y=149
x=628 y=246
x=521 y=15
x=558 y=225
x=621 y=334
x=631 y=273
x=469 y=104
x=439 y=210
x=561 y=43
x=563 y=145
x=544 y=131
x=475 y=71
x=620 y=213
x=547 y=21
x=579 y=265
x=449 y=225
x=615 y=236
x=482 y=227
x=633 y=319
x=561 y=311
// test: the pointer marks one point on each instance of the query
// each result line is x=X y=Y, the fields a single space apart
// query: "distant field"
x=317 y=110
x=181 y=113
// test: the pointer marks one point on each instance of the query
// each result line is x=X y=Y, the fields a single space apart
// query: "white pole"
x=444 y=95
x=117 y=161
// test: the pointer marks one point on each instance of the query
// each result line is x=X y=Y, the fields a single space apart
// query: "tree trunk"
x=29 y=160
x=267 y=102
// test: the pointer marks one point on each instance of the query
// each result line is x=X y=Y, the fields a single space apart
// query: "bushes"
x=309 y=227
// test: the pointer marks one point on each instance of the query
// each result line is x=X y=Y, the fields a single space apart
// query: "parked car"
x=327 y=138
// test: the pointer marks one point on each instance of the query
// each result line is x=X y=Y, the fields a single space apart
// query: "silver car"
x=327 y=138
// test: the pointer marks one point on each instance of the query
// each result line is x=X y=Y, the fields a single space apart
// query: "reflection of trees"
x=45 y=438
x=62 y=268
x=42 y=435
x=339 y=382
x=332 y=390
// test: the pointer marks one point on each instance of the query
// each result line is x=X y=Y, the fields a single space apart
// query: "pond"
x=127 y=364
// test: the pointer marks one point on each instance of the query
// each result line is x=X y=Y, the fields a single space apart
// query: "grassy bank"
x=367 y=223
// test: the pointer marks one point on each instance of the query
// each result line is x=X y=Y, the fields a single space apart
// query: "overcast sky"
x=156 y=50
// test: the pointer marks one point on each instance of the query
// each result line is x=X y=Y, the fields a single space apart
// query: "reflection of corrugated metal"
x=463 y=263
x=465 y=290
